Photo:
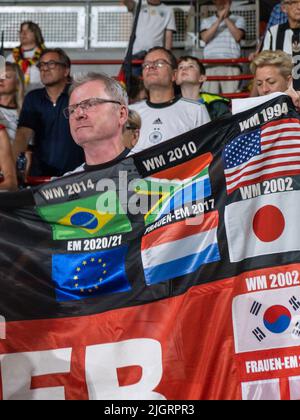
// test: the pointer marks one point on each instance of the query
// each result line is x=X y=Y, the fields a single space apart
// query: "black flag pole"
x=127 y=65
x=2 y=58
x=2 y=44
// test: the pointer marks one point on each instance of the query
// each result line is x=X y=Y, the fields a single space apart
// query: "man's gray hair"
x=112 y=87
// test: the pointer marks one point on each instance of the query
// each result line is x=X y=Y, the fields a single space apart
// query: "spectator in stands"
x=164 y=115
x=8 y=177
x=277 y=17
x=222 y=34
x=28 y=53
x=286 y=37
x=11 y=98
x=272 y=71
x=98 y=112
x=190 y=77
x=54 y=151
x=156 y=24
x=132 y=129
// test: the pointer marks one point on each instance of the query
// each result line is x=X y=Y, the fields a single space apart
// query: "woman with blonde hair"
x=11 y=98
x=132 y=128
x=272 y=71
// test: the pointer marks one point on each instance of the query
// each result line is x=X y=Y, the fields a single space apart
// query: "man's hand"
x=224 y=13
x=129 y=4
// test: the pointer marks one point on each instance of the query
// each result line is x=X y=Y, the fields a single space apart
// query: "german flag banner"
x=172 y=274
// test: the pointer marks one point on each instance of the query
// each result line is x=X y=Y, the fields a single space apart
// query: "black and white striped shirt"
x=282 y=37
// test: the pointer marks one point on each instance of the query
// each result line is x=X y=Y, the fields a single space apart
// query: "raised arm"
x=238 y=34
x=129 y=4
x=168 y=39
x=208 y=34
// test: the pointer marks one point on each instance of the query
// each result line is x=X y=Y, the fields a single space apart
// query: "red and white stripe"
x=280 y=156
x=179 y=240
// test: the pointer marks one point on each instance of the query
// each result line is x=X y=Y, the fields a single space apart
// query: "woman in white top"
x=28 y=53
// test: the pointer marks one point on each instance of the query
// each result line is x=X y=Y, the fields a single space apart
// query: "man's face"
x=99 y=122
x=270 y=80
x=222 y=4
x=189 y=72
x=159 y=72
x=292 y=9
x=51 y=70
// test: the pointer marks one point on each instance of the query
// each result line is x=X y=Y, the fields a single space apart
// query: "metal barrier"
x=37 y=180
x=85 y=25
x=62 y=26
x=209 y=78
x=81 y=26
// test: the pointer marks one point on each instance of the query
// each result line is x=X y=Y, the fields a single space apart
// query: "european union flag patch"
x=82 y=276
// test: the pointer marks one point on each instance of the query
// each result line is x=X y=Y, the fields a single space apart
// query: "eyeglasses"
x=87 y=105
x=157 y=64
x=42 y=65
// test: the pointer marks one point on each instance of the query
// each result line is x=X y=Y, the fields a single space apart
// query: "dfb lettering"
x=102 y=362
x=101 y=371
x=18 y=369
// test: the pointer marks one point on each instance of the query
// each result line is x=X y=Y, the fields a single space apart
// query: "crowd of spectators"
x=169 y=95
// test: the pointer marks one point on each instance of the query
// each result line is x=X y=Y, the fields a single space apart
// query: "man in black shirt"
x=286 y=37
x=54 y=151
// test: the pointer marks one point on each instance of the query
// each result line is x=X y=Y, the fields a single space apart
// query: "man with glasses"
x=97 y=113
x=164 y=115
x=286 y=37
x=42 y=119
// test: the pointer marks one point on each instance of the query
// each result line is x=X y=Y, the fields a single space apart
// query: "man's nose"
x=80 y=113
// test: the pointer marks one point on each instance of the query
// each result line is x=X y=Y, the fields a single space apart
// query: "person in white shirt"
x=11 y=98
x=222 y=34
x=164 y=115
x=155 y=27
